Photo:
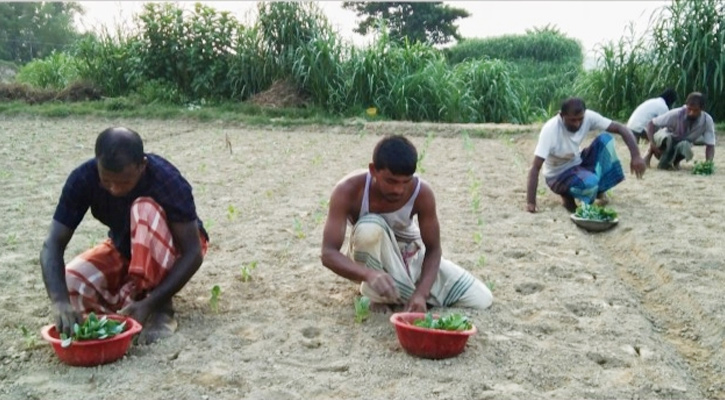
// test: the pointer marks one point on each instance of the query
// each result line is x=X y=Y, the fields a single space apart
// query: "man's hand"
x=65 y=316
x=384 y=285
x=416 y=303
x=638 y=166
x=138 y=310
x=531 y=207
x=655 y=150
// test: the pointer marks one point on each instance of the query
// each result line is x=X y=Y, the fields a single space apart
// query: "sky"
x=591 y=22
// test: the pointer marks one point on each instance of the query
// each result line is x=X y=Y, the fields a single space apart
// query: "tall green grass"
x=623 y=77
x=544 y=61
x=55 y=71
x=688 y=40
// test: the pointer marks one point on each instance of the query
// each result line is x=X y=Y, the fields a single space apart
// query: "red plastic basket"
x=88 y=353
x=428 y=343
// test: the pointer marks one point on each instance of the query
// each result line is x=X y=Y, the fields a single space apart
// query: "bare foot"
x=568 y=203
x=380 y=308
x=602 y=199
x=159 y=325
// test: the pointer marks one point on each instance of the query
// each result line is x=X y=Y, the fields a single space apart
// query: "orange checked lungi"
x=103 y=281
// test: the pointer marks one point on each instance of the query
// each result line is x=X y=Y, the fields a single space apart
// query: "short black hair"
x=118 y=147
x=573 y=106
x=670 y=96
x=397 y=154
x=695 y=99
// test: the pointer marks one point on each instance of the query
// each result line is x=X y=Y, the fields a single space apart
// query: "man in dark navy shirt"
x=156 y=241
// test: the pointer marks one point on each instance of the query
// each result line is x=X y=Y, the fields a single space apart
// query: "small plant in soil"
x=362 y=309
x=214 y=299
x=247 y=271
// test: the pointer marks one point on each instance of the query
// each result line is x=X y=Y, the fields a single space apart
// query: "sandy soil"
x=633 y=313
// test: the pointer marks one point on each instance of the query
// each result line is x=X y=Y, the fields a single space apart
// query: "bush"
x=56 y=71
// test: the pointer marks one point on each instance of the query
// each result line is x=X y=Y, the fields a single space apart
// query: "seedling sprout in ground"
x=247 y=271
x=214 y=300
x=362 y=309
x=594 y=212
x=93 y=328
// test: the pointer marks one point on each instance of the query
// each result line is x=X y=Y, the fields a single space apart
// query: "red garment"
x=102 y=280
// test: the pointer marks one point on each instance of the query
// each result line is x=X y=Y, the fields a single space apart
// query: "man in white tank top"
x=397 y=260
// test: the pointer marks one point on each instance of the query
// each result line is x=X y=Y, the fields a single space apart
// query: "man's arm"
x=533 y=184
x=651 y=127
x=53 y=269
x=431 y=236
x=637 y=164
x=710 y=152
x=333 y=237
x=186 y=240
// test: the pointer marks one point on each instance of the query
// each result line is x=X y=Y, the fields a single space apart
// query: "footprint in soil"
x=606 y=361
x=583 y=309
x=529 y=288
x=310 y=337
x=310 y=332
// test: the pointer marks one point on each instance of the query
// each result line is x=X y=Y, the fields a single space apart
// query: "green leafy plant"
x=214 y=299
x=232 y=212
x=247 y=271
x=297 y=229
x=595 y=213
x=30 y=339
x=423 y=151
x=452 y=322
x=362 y=309
x=704 y=168
x=93 y=328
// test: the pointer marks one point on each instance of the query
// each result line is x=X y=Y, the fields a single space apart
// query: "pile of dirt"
x=282 y=94
x=77 y=91
x=80 y=91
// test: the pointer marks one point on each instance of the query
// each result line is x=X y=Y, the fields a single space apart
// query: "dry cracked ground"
x=635 y=312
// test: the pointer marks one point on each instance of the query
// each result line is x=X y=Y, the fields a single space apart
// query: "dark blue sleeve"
x=75 y=198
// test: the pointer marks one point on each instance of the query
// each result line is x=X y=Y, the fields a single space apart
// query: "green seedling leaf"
x=362 y=309
x=452 y=322
x=704 y=168
x=93 y=328
x=214 y=300
x=595 y=213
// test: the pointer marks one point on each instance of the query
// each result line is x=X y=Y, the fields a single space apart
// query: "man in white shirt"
x=580 y=174
x=651 y=108
x=672 y=135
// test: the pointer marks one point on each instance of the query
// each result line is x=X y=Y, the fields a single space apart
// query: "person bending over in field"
x=649 y=109
x=678 y=130
x=156 y=241
x=572 y=173
x=397 y=260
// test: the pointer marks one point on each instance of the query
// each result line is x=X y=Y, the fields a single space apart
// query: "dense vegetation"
x=202 y=56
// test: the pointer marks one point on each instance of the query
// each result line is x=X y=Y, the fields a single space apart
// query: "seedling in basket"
x=453 y=322
x=704 y=168
x=595 y=213
x=93 y=328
